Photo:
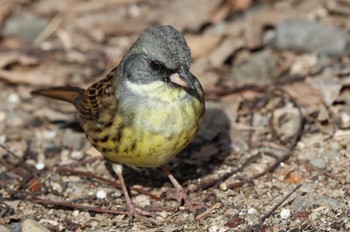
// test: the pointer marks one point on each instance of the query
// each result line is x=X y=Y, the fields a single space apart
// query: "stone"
x=260 y=68
x=26 y=27
x=4 y=229
x=30 y=225
x=72 y=140
x=310 y=36
x=142 y=200
x=309 y=202
x=318 y=163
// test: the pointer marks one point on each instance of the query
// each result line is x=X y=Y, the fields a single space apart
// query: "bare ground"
x=273 y=153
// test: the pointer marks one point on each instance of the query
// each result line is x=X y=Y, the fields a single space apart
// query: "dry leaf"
x=201 y=45
x=228 y=7
x=227 y=48
x=294 y=177
x=35 y=76
x=304 y=94
x=5 y=9
x=328 y=85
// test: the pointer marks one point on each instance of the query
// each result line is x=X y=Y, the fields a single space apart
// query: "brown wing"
x=98 y=102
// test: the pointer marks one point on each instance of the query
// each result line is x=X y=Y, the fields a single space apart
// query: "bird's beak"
x=183 y=78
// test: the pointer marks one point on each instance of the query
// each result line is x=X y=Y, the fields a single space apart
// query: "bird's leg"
x=133 y=211
x=181 y=195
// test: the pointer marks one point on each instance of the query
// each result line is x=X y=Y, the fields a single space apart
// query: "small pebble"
x=49 y=134
x=213 y=229
x=39 y=166
x=57 y=187
x=75 y=213
x=285 y=213
x=2 y=139
x=142 y=200
x=13 y=98
x=48 y=221
x=2 y=116
x=318 y=163
x=223 y=186
x=163 y=214
x=134 y=10
x=77 y=154
x=101 y=194
x=301 y=145
x=345 y=120
x=252 y=211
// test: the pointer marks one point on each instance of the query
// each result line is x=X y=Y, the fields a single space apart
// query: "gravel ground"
x=273 y=153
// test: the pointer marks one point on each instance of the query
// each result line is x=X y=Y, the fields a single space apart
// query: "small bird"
x=146 y=110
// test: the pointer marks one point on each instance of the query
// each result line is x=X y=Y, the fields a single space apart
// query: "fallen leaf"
x=35 y=76
x=5 y=9
x=226 y=48
x=201 y=45
x=294 y=177
x=228 y=7
x=234 y=222
x=304 y=94
x=328 y=86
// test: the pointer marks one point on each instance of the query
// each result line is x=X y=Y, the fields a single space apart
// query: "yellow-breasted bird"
x=146 y=110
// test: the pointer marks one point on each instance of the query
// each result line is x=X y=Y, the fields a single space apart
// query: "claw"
x=181 y=195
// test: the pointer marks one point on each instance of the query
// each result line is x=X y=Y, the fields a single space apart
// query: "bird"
x=145 y=111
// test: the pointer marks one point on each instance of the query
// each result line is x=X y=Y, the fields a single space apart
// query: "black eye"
x=156 y=66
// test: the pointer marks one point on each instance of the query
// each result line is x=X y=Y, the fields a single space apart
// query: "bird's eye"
x=156 y=66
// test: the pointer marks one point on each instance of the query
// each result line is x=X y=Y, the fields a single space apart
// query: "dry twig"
x=64 y=170
x=271 y=211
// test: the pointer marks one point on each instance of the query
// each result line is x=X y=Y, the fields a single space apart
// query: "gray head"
x=165 y=44
x=159 y=54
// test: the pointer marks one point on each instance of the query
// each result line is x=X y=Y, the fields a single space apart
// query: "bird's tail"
x=65 y=93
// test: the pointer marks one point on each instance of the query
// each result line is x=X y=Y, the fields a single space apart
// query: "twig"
x=286 y=156
x=9 y=151
x=64 y=170
x=216 y=182
x=49 y=30
x=74 y=206
x=203 y=215
x=271 y=211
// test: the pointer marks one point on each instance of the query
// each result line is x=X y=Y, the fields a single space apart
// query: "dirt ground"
x=273 y=152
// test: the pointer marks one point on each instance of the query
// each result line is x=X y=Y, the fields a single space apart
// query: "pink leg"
x=181 y=195
x=133 y=211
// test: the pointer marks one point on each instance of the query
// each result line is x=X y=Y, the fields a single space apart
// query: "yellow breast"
x=155 y=132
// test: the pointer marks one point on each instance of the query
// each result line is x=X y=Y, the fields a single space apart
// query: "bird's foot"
x=136 y=212
x=182 y=197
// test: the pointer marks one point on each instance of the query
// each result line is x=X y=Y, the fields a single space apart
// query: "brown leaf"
x=184 y=14
x=226 y=48
x=5 y=9
x=228 y=7
x=304 y=94
x=201 y=45
x=35 y=76
x=301 y=215
x=294 y=177
x=328 y=85
x=234 y=222
x=15 y=58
